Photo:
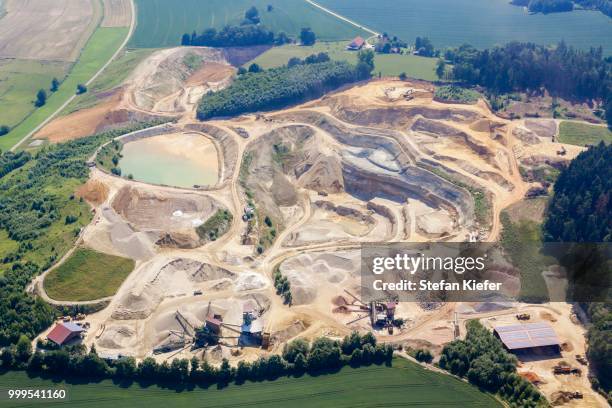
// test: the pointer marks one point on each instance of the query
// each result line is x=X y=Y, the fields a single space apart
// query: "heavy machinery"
x=523 y=316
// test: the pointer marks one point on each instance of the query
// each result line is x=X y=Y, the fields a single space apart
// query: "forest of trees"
x=482 y=359
x=581 y=207
x=323 y=355
x=581 y=211
x=280 y=87
x=555 y=6
x=563 y=70
x=249 y=32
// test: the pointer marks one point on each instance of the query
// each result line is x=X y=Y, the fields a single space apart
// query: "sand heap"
x=157 y=280
x=308 y=273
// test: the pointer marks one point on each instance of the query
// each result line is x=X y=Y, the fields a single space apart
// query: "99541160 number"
x=28 y=394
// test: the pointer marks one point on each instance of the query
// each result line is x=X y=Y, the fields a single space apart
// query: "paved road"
x=341 y=17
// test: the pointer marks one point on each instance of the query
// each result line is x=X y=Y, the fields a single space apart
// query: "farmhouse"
x=62 y=333
x=356 y=44
x=536 y=337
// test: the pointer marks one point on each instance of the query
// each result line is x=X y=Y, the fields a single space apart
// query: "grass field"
x=20 y=80
x=87 y=275
x=482 y=23
x=404 y=384
x=581 y=133
x=111 y=77
x=99 y=49
x=161 y=23
x=386 y=64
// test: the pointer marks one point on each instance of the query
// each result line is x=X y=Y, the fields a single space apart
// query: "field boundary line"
x=341 y=17
x=93 y=78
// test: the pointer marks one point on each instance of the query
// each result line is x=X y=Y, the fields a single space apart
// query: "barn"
x=64 y=332
x=529 y=337
x=356 y=44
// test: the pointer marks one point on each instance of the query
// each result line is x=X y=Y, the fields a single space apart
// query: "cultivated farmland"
x=386 y=64
x=161 y=22
x=47 y=29
x=101 y=46
x=87 y=275
x=454 y=22
x=404 y=384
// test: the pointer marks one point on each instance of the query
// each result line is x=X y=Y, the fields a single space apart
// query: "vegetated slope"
x=87 y=275
x=278 y=87
x=41 y=215
x=161 y=23
x=482 y=23
x=403 y=384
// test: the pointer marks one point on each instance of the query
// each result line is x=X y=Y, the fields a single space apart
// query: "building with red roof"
x=62 y=333
x=356 y=44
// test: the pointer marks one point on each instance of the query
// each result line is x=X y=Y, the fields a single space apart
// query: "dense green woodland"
x=482 y=359
x=563 y=71
x=581 y=211
x=555 y=6
x=234 y=36
x=279 y=87
x=581 y=208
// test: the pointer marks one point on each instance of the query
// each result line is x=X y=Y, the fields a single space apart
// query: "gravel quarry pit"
x=169 y=216
x=361 y=165
x=173 y=80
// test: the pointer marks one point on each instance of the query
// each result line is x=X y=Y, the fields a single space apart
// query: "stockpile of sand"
x=250 y=281
x=117 y=337
x=309 y=272
x=133 y=244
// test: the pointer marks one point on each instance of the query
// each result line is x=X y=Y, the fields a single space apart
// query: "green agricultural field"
x=386 y=64
x=161 y=23
x=87 y=275
x=404 y=384
x=580 y=134
x=19 y=82
x=482 y=23
x=99 y=49
x=111 y=77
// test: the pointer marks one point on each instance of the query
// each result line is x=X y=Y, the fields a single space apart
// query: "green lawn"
x=99 y=49
x=161 y=23
x=405 y=384
x=111 y=77
x=386 y=64
x=20 y=80
x=87 y=275
x=581 y=133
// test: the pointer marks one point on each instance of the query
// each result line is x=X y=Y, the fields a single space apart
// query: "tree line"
x=482 y=359
x=556 y=6
x=323 y=355
x=562 y=70
x=280 y=87
x=249 y=32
